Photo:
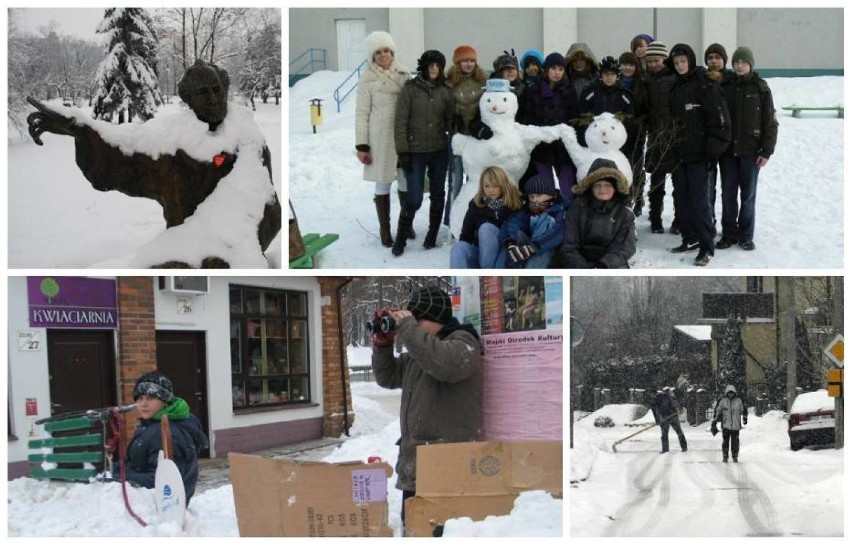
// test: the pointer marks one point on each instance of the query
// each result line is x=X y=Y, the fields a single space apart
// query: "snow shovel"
x=634 y=434
x=168 y=484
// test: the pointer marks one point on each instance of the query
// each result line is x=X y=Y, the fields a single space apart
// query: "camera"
x=385 y=324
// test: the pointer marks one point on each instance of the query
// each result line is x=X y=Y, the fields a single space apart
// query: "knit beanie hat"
x=554 y=59
x=743 y=54
x=154 y=384
x=719 y=50
x=464 y=52
x=432 y=304
x=506 y=60
x=634 y=43
x=542 y=185
x=657 y=49
x=628 y=58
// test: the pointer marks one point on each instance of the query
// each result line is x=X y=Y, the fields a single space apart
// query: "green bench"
x=83 y=459
x=313 y=244
x=797 y=110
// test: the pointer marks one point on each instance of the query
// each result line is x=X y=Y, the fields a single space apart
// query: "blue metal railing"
x=352 y=85
x=310 y=58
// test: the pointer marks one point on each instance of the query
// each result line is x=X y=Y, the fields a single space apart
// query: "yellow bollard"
x=316 y=113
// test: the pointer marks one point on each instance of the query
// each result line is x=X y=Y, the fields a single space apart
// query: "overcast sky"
x=79 y=22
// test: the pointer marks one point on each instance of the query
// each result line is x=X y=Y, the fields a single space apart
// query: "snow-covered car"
x=811 y=420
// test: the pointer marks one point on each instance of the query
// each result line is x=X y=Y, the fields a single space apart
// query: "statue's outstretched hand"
x=46 y=120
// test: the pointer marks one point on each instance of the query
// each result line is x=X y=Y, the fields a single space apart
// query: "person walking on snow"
x=665 y=415
x=729 y=411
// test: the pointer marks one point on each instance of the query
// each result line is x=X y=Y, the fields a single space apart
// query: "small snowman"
x=605 y=137
x=509 y=148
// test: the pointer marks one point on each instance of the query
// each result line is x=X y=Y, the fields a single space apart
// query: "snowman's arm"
x=535 y=134
x=460 y=142
x=569 y=138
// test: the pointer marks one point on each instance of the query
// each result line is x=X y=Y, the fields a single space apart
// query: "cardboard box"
x=478 y=479
x=278 y=497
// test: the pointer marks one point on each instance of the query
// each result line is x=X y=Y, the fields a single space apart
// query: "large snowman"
x=509 y=148
x=605 y=137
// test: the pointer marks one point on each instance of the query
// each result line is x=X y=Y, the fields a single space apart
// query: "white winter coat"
x=375 y=108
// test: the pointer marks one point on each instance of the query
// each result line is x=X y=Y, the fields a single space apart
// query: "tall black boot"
x=406 y=218
x=436 y=214
x=655 y=211
x=401 y=206
x=383 y=213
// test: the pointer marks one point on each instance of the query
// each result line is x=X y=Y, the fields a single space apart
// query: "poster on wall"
x=500 y=304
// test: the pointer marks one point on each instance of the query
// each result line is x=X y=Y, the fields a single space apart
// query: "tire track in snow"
x=645 y=490
x=748 y=496
x=698 y=476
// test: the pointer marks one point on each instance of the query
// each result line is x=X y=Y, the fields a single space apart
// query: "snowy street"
x=637 y=491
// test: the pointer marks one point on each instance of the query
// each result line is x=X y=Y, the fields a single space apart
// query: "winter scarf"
x=540 y=225
x=626 y=82
x=178 y=409
x=495 y=205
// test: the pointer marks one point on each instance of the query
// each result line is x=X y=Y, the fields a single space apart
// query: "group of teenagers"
x=682 y=120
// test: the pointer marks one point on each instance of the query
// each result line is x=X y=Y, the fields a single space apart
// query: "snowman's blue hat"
x=497 y=85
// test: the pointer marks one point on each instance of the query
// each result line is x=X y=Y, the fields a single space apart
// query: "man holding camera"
x=440 y=375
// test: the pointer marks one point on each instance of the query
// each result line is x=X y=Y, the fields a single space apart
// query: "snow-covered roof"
x=698 y=332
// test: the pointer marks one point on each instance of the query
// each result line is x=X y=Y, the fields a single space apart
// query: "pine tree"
x=732 y=364
x=127 y=77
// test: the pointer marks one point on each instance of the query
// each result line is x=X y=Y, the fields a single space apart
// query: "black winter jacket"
x=187 y=441
x=476 y=216
x=598 y=235
x=660 y=124
x=701 y=117
x=544 y=106
x=663 y=408
x=754 y=127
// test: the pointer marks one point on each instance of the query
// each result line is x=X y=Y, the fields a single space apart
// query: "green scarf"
x=178 y=409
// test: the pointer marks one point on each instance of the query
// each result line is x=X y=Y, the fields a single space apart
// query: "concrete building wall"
x=812 y=38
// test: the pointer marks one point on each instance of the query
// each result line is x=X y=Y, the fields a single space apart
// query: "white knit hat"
x=378 y=40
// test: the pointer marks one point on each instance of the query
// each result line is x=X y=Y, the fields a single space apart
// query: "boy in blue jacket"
x=531 y=236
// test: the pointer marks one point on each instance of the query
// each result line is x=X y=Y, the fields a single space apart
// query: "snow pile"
x=620 y=414
x=323 y=169
x=811 y=402
x=535 y=514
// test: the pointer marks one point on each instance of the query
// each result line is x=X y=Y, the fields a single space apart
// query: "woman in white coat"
x=375 y=109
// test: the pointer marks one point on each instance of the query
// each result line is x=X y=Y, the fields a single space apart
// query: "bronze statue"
x=177 y=181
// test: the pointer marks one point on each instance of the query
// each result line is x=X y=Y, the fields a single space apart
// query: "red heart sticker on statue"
x=218 y=160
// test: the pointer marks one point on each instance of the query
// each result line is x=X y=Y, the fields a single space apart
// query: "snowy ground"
x=56 y=218
x=797 y=227
x=772 y=491
x=38 y=508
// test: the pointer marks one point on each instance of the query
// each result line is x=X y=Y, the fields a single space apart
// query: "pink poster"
x=522 y=386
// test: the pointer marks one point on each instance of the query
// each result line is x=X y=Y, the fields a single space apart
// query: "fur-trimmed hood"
x=603 y=169
x=580 y=49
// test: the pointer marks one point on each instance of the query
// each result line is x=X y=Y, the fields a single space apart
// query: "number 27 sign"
x=29 y=341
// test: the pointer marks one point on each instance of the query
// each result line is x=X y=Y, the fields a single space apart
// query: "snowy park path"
x=772 y=491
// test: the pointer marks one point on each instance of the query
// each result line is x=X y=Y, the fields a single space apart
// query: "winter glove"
x=519 y=254
x=745 y=420
x=404 y=161
x=380 y=338
x=364 y=157
x=714 y=429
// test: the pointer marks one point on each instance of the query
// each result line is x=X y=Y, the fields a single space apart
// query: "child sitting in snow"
x=154 y=398
x=532 y=235
x=600 y=231
x=479 y=241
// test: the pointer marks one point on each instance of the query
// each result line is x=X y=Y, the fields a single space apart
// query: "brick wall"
x=333 y=388
x=137 y=346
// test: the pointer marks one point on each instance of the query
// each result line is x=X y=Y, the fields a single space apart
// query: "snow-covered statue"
x=509 y=148
x=208 y=166
x=605 y=136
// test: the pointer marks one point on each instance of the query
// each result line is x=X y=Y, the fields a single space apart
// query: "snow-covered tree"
x=732 y=362
x=261 y=67
x=127 y=77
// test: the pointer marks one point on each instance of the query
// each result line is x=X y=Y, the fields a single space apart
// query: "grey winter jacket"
x=441 y=381
x=730 y=412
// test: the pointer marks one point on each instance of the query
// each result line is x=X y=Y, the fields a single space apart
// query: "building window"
x=754 y=284
x=269 y=348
